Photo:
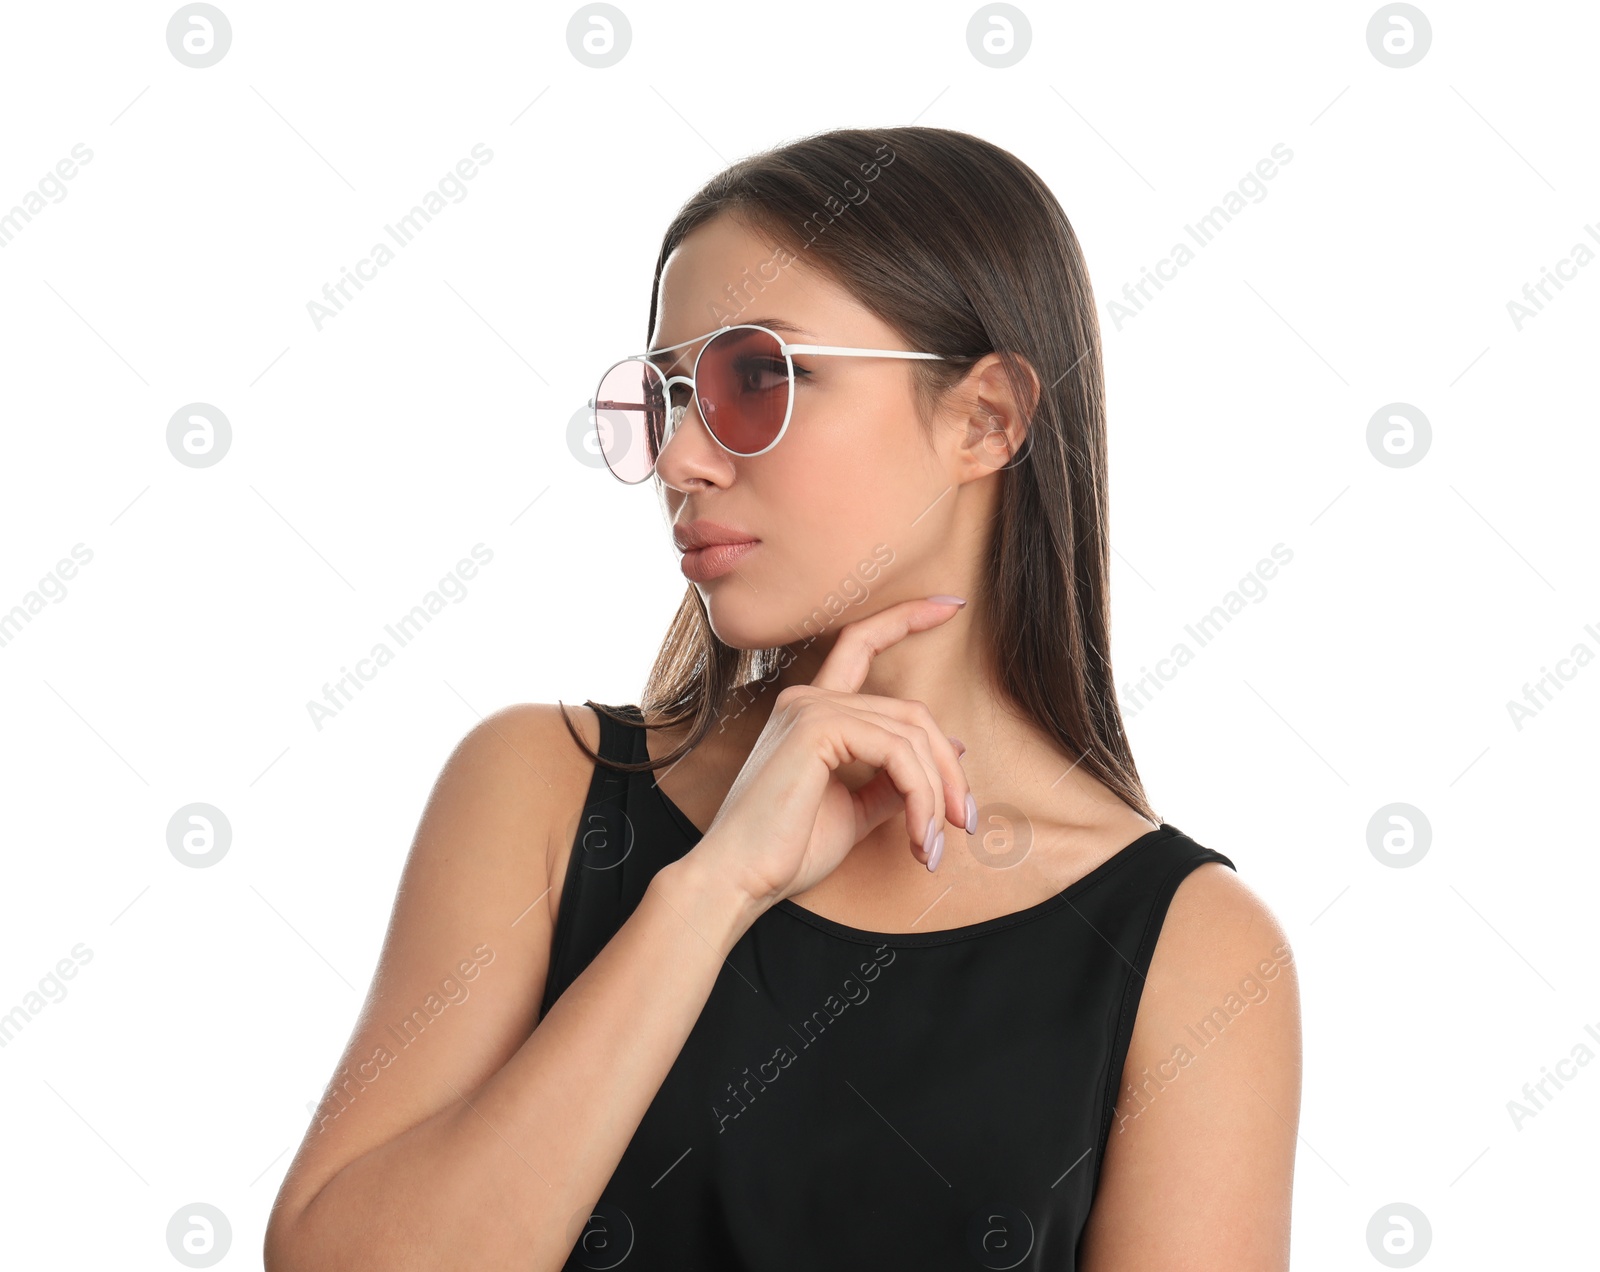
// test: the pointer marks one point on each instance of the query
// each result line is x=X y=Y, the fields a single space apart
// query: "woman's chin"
x=744 y=634
x=746 y=623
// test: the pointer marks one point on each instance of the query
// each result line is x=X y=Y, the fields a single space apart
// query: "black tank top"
x=852 y=1099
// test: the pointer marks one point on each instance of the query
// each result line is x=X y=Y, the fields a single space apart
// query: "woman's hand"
x=788 y=820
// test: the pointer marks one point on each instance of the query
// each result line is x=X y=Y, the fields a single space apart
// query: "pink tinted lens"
x=742 y=379
x=630 y=415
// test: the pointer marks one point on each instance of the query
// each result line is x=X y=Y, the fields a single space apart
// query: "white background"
x=433 y=414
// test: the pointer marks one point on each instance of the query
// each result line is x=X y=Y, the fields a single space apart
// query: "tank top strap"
x=616 y=736
x=1127 y=910
x=624 y=836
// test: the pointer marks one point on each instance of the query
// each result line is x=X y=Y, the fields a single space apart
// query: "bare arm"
x=1199 y=1170
x=485 y=1143
x=481 y=1144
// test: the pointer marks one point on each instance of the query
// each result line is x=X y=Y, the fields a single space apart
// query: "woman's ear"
x=996 y=423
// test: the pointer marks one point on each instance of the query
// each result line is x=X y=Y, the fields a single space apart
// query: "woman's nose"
x=689 y=453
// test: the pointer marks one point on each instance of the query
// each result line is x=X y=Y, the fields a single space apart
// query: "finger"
x=845 y=668
x=957 y=790
x=879 y=801
x=932 y=742
x=887 y=749
x=940 y=796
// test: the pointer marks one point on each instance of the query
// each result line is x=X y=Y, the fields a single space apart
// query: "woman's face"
x=847 y=507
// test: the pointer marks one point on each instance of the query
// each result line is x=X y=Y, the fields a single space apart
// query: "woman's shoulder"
x=1221 y=955
x=1212 y=1073
x=538 y=735
x=1213 y=915
x=522 y=765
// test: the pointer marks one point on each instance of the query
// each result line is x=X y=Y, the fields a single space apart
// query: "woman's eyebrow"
x=779 y=324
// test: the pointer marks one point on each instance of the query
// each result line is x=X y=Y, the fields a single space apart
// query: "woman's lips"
x=701 y=565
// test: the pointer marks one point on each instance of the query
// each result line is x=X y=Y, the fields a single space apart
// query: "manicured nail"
x=938 y=851
x=972 y=814
x=960 y=746
x=933 y=826
x=949 y=600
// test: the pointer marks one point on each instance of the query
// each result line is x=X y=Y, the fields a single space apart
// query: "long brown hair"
x=960 y=247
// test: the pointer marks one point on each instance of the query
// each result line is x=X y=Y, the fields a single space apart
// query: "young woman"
x=856 y=944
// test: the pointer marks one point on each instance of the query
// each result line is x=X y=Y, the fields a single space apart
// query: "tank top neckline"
x=844 y=931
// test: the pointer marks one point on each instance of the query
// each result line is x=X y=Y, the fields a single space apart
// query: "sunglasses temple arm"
x=835 y=350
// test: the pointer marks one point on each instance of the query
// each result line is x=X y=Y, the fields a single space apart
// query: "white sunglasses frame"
x=675 y=413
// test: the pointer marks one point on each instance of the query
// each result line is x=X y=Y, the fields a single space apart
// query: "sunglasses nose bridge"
x=676 y=412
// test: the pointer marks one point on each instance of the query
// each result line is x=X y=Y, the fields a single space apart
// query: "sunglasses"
x=742 y=381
